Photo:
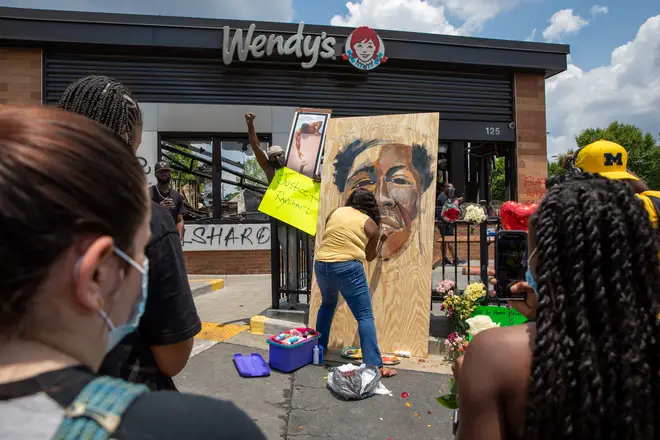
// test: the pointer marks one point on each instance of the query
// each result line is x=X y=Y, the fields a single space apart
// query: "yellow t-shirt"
x=344 y=238
x=646 y=197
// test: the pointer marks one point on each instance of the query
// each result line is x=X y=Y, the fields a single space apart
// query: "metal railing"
x=464 y=236
x=292 y=256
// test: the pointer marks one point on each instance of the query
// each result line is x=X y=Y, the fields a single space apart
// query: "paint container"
x=316 y=360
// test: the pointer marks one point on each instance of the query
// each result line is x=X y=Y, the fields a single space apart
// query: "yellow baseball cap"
x=606 y=158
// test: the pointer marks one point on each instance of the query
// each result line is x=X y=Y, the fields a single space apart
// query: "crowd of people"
x=96 y=313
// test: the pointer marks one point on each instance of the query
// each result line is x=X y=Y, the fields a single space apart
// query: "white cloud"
x=627 y=90
x=563 y=22
x=272 y=10
x=598 y=9
x=532 y=35
x=429 y=16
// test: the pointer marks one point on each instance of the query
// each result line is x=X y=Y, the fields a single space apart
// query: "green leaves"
x=449 y=401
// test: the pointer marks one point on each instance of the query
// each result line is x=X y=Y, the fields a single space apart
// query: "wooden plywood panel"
x=400 y=278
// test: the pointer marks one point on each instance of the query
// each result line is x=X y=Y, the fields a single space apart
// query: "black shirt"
x=177 y=199
x=170 y=315
x=157 y=415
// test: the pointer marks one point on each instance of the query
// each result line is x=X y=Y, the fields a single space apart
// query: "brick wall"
x=462 y=244
x=228 y=262
x=531 y=125
x=20 y=76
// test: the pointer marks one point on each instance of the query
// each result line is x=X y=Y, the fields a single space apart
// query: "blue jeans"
x=350 y=279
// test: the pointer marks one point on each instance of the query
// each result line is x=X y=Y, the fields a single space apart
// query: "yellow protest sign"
x=293 y=199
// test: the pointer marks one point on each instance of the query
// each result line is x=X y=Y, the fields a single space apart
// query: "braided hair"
x=106 y=101
x=597 y=351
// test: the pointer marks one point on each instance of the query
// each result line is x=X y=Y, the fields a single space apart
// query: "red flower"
x=404 y=395
x=451 y=214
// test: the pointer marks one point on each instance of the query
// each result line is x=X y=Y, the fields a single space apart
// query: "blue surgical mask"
x=528 y=275
x=530 y=280
x=117 y=333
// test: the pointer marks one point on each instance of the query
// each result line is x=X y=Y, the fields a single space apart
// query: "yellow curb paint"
x=212 y=331
x=258 y=325
x=217 y=284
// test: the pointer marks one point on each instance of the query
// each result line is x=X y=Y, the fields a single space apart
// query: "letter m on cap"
x=613 y=159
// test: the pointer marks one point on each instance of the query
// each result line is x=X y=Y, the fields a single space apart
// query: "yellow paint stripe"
x=217 y=284
x=212 y=331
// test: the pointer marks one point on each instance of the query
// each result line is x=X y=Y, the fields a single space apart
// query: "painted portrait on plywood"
x=398 y=174
x=395 y=157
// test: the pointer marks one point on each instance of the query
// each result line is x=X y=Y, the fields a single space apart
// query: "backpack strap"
x=96 y=412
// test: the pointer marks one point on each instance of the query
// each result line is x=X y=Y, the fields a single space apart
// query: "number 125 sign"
x=492 y=131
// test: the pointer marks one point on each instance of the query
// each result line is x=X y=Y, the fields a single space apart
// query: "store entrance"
x=480 y=172
x=483 y=174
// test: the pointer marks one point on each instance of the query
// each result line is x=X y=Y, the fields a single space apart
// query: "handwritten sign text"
x=294 y=199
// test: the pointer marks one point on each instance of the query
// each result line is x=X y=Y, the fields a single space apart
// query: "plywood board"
x=366 y=152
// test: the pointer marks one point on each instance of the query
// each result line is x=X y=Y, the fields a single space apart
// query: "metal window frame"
x=216 y=139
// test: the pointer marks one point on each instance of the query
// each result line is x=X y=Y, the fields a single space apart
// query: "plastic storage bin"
x=288 y=358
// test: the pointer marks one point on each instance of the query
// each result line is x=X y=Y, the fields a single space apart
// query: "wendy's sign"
x=364 y=49
x=308 y=47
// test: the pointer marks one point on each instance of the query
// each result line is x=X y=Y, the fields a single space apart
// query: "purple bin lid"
x=251 y=365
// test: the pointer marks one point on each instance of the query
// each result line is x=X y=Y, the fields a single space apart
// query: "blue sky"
x=613 y=72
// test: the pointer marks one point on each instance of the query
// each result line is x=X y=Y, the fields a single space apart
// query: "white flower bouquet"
x=474 y=214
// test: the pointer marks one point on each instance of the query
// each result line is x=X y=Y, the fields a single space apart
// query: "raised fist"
x=249 y=117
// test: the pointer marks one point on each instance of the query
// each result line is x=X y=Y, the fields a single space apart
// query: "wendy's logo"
x=364 y=49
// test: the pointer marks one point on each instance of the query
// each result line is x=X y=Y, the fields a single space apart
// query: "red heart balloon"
x=514 y=215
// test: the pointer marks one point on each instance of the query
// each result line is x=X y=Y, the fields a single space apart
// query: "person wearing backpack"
x=73 y=283
x=610 y=160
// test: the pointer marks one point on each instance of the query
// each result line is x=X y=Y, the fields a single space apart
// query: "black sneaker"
x=459 y=262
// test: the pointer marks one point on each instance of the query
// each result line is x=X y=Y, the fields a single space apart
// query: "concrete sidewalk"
x=226 y=316
x=299 y=405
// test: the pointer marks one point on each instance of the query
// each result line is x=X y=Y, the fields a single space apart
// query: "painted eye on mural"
x=400 y=181
x=363 y=182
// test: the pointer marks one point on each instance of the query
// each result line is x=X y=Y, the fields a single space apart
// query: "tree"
x=558 y=165
x=643 y=150
x=252 y=169
x=498 y=185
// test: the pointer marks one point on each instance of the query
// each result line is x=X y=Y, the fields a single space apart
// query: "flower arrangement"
x=478 y=324
x=474 y=214
x=458 y=308
x=450 y=213
x=445 y=287
x=475 y=291
x=455 y=345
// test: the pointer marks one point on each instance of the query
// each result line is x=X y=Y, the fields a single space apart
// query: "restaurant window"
x=217 y=175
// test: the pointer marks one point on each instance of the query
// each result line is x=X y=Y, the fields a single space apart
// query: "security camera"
x=512 y=125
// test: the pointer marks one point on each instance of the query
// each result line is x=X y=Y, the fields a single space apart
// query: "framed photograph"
x=306 y=140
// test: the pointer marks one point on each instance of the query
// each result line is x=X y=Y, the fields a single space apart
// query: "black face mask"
x=164 y=180
x=276 y=163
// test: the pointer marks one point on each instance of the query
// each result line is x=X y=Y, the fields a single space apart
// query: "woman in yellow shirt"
x=352 y=235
